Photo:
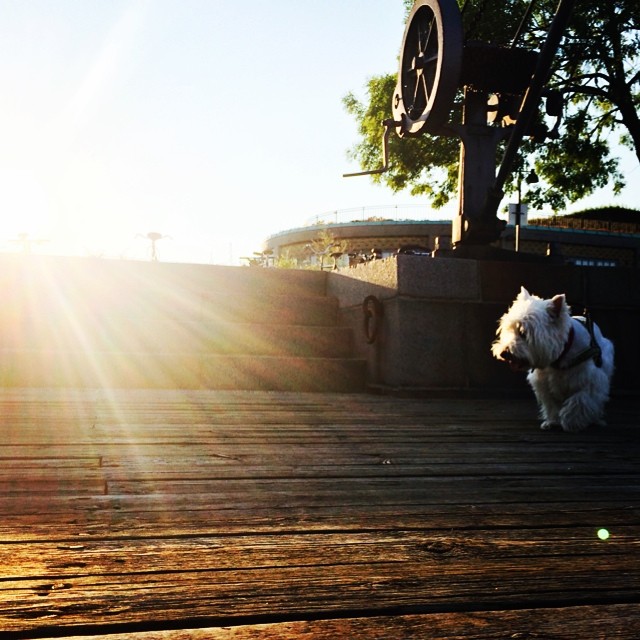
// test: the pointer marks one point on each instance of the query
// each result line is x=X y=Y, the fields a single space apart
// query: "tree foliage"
x=325 y=245
x=597 y=69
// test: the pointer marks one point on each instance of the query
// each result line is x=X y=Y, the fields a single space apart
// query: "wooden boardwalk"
x=167 y=515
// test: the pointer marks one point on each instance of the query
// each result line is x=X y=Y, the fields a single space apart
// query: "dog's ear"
x=557 y=305
x=524 y=294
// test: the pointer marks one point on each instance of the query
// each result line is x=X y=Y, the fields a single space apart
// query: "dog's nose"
x=506 y=355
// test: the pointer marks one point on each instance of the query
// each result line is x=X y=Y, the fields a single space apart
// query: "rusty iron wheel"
x=430 y=67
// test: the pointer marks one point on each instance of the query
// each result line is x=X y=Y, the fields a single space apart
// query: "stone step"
x=73 y=324
x=89 y=323
x=255 y=339
x=47 y=303
x=109 y=280
x=271 y=308
x=172 y=335
x=39 y=368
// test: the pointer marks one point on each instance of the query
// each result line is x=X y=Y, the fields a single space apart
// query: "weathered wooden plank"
x=78 y=521
x=278 y=453
x=378 y=468
x=343 y=446
x=211 y=409
x=52 y=465
x=175 y=470
x=77 y=486
x=176 y=402
x=313 y=590
x=339 y=493
x=296 y=493
x=620 y=621
x=243 y=552
x=120 y=406
x=393 y=490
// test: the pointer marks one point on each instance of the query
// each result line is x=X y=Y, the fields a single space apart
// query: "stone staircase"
x=82 y=322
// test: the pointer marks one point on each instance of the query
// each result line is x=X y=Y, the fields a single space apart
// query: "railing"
x=580 y=224
x=374 y=214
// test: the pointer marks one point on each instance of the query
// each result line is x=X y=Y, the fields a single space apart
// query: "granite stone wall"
x=440 y=316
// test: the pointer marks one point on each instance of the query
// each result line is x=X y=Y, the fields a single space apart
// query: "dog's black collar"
x=567 y=345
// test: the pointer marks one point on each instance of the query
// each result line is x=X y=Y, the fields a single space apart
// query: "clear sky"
x=213 y=122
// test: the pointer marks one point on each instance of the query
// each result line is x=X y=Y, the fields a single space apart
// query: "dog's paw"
x=577 y=427
x=573 y=427
x=547 y=425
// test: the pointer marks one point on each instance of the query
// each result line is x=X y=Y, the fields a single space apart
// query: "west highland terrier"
x=570 y=363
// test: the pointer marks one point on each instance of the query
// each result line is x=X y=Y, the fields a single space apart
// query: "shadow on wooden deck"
x=199 y=514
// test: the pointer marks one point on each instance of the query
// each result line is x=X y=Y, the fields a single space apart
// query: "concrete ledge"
x=441 y=315
x=442 y=278
x=414 y=276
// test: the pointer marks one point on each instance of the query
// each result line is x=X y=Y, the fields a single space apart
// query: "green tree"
x=597 y=69
x=325 y=245
x=286 y=261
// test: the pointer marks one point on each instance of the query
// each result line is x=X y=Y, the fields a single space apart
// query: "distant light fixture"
x=532 y=177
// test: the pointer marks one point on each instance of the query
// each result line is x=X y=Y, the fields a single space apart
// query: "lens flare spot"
x=603 y=534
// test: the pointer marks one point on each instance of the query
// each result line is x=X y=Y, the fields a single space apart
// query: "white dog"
x=570 y=363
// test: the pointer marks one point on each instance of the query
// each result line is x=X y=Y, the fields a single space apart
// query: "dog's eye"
x=522 y=332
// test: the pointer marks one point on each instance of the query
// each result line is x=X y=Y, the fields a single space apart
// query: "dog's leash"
x=594 y=351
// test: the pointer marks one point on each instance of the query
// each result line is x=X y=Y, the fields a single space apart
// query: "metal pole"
x=518 y=211
x=523 y=23
x=476 y=173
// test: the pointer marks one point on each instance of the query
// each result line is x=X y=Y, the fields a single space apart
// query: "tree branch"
x=595 y=92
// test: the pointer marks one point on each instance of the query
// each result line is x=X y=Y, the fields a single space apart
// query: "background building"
x=607 y=237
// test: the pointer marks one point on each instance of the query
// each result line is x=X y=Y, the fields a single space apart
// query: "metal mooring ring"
x=373 y=312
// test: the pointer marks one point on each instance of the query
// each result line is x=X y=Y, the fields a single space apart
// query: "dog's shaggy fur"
x=542 y=337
